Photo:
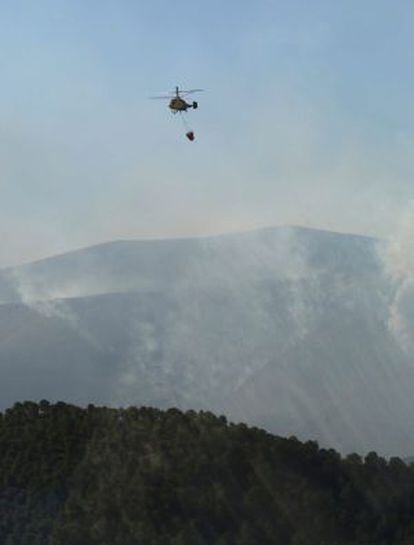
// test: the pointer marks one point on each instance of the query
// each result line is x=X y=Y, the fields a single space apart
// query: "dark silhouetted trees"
x=141 y=476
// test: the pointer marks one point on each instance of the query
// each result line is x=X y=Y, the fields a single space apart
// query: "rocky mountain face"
x=284 y=328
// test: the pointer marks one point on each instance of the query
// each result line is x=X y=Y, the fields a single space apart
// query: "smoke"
x=398 y=256
x=283 y=328
x=49 y=301
x=240 y=300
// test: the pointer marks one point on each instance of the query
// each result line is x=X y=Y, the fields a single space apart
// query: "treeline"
x=101 y=476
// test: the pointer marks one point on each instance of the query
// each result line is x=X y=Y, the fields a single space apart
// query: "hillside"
x=283 y=328
x=124 y=477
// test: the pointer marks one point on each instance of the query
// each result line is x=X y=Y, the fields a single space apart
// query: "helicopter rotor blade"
x=161 y=97
x=187 y=92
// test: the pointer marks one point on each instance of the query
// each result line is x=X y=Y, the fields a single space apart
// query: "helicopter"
x=177 y=103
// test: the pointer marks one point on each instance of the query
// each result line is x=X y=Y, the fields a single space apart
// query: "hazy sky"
x=307 y=118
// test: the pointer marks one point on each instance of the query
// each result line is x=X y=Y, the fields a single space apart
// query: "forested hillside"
x=72 y=476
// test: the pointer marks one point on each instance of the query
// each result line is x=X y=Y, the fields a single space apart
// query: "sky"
x=306 y=119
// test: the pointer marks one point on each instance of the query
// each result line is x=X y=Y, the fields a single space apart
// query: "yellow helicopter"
x=177 y=102
x=179 y=105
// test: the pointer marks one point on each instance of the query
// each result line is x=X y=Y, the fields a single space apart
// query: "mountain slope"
x=286 y=328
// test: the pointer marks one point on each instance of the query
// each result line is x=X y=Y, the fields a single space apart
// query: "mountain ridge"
x=138 y=240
